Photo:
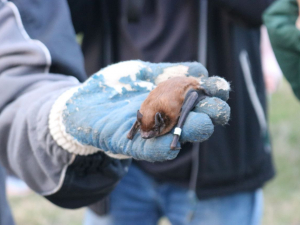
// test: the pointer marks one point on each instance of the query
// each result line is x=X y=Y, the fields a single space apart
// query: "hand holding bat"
x=98 y=114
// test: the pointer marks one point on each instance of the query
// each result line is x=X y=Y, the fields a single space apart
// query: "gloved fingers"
x=160 y=72
x=217 y=109
x=155 y=149
x=198 y=127
x=216 y=86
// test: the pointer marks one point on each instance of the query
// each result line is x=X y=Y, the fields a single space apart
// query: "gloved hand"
x=97 y=115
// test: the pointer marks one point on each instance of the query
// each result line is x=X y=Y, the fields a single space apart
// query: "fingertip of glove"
x=216 y=87
x=217 y=109
x=198 y=127
x=155 y=149
x=196 y=69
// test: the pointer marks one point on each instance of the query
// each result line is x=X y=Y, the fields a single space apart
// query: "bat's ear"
x=139 y=116
x=135 y=127
x=159 y=121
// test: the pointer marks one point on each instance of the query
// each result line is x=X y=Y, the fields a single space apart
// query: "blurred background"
x=282 y=194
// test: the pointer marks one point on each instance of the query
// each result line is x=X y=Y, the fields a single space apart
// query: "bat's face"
x=152 y=126
x=149 y=134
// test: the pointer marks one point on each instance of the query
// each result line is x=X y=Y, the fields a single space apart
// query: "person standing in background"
x=271 y=70
x=219 y=181
x=282 y=22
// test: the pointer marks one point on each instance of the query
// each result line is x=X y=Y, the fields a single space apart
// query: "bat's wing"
x=190 y=101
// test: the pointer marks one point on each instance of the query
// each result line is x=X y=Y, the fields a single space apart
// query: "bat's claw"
x=174 y=142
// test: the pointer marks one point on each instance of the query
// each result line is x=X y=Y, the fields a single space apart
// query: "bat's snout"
x=148 y=134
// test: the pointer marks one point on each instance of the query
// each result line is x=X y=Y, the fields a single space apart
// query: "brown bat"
x=167 y=105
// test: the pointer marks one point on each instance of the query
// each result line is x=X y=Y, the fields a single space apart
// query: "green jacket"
x=280 y=19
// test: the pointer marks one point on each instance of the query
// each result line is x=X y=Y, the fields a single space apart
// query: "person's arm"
x=61 y=136
x=28 y=92
x=249 y=11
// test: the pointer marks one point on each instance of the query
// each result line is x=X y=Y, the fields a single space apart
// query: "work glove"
x=98 y=114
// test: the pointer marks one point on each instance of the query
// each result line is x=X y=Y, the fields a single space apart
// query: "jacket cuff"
x=65 y=140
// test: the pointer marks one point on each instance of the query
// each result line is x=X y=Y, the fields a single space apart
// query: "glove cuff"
x=65 y=140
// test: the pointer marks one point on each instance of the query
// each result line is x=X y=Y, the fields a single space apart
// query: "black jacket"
x=238 y=156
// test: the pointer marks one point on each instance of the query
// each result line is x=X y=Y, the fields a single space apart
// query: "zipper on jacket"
x=245 y=65
x=202 y=58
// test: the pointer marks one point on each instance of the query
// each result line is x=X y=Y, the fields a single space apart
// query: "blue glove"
x=98 y=114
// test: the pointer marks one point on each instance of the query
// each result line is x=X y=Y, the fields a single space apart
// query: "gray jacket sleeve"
x=28 y=90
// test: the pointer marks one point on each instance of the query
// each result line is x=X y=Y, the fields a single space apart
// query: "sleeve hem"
x=65 y=140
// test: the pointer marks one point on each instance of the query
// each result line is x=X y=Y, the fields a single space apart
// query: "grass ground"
x=282 y=194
